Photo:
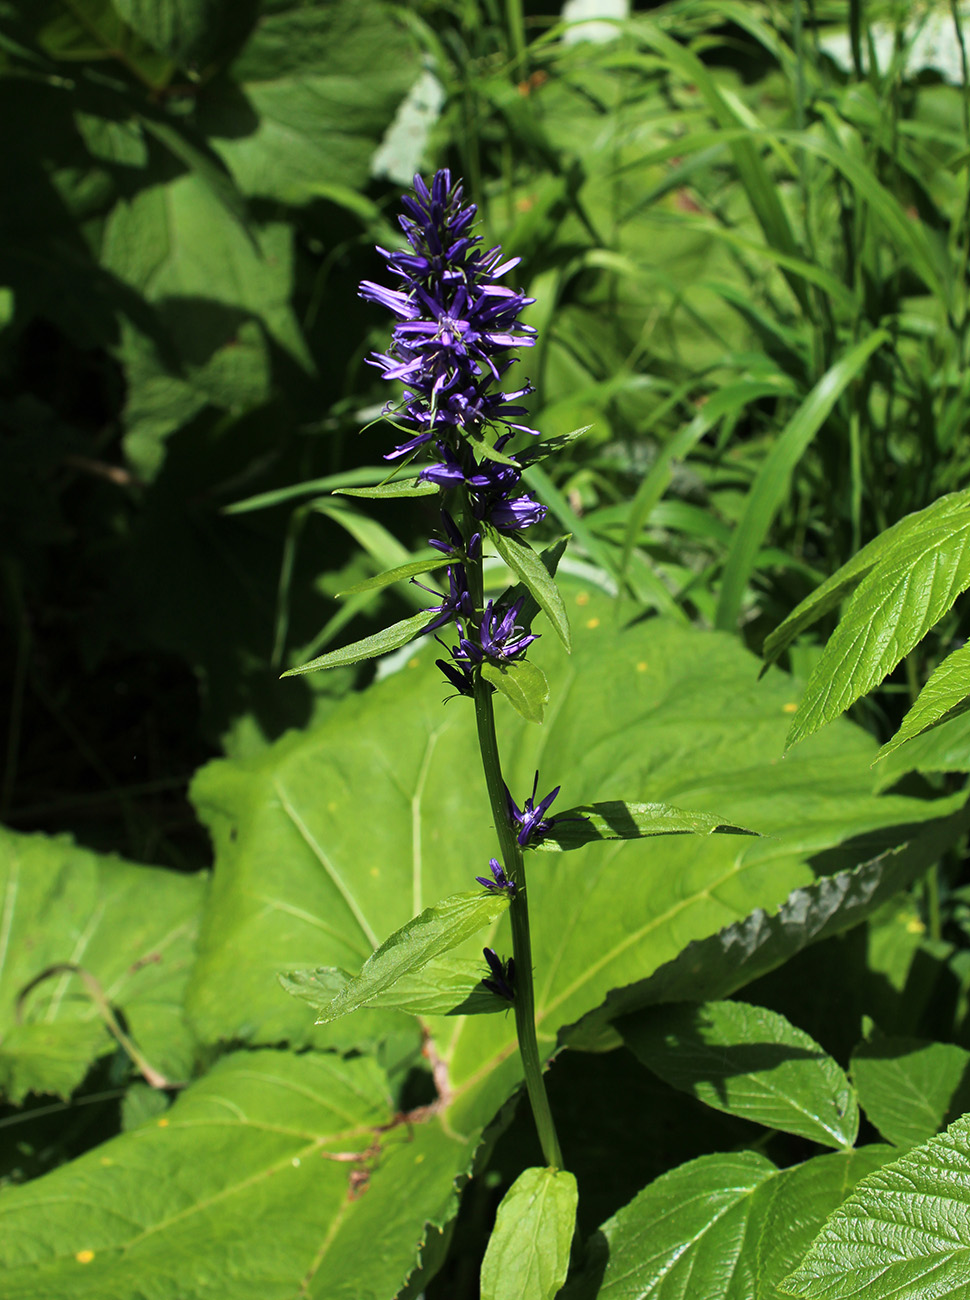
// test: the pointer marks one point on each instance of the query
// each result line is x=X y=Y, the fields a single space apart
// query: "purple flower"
x=501 y=884
x=531 y=818
x=502 y=982
x=501 y=637
x=457 y=604
x=460 y=671
x=521 y=512
x=455 y=545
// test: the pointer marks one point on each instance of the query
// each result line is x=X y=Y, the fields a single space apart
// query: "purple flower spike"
x=502 y=982
x=531 y=818
x=501 y=884
x=501 y=637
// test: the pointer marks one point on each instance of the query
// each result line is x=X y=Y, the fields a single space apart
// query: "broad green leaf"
x=389 y=576
x=449 y=986
x=308 y=98
x=131 y=929
x=892 y=609
x=671 y=1242
x=844 y=581
x=186 y=30
x=436 y=930
x=523 y=684
x=771 y=484
x=683 y=1235
x=528 y=1252
x=549 y=446
x=399 y=487
x=745 y=950
x=749 y=1062
x=946 y=695
x=173 y=1204
x=527 y=565
x=904 y=1232
x=390 y=638
x=911 y=1088
x=619 y=820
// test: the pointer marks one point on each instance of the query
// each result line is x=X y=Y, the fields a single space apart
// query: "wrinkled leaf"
x=619 y=820
x=523 y=684
x=450 y=986
x=911 y=1088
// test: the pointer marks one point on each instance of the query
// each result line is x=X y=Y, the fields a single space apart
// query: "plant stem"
x=524 y=1000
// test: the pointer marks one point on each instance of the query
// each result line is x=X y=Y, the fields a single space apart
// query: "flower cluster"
x=455 y=329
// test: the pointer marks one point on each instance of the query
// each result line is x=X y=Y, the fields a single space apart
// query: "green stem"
x=524 y=1000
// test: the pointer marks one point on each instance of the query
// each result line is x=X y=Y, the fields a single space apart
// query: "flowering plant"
x=456 y=330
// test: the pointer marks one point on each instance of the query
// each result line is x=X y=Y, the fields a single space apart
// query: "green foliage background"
x=746 y=230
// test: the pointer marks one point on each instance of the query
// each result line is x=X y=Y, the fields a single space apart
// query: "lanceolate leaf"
x=890 y=612
x=835 y=589
x=446 y=986
x=945 y=696
x=389 y=576
x=619 y=820
x=399 y=487
x=523 y=561
x=434 y=932
x=523 y=684
x=391 y=638
x=750 y=1062
x=528 y=1251
x=904 y=1232
x=549 y=446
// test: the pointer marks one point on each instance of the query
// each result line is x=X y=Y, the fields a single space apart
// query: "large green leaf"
x=130 y=933
x=910 y=1088
x=904 y=1232
x=254 y=1185
x=749 y=1062
x=308 y=98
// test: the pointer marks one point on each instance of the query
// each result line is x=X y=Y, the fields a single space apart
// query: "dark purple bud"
x=502 y=982
x=500 y=884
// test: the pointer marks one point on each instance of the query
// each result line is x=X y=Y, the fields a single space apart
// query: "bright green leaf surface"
x=523 y=684
x=911 y=1088
x=749 y=1062
x=132 y=928
x=904 y=1232
x=369 y=647
x=402 y=571
x=254 y=1185
x=443 y=987
x=435 y=931
x=944 y=748
x=946 y=693
x=620 y=820
x=528 y=1251
x=890 y=612
x=528 y=566
x=399 y=487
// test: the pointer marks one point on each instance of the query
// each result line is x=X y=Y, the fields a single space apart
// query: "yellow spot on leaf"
x=592 y=622
x=375 y=872
x=582 y=598
x=642 y=666
x=418 y=1159
x=84 y=1256
x=413 y=663
x=106 y=1162
x=163 y=1123
x=915 y=926
x=789 y=708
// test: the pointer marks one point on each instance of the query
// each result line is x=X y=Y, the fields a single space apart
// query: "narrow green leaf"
x=550 y=557
x=945 y=695
x=528 y=1252
x=389 y=576
x=401 y=487
x=391 y=638
x=523 y=684
x=892 y=609
x=549 y=446
x=911 y=1088
x=485 y=448
x=448 y=986
x=845 y=580
x=616 y=819
x=436 y=930
x=904 y=1232
x=523 y=561
x=310 y=487
x=769 y=488
x=748 y=1062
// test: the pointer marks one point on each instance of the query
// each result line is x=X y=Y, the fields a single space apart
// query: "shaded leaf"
x=946 y=695
x=911 y=1088
x=749 y=1062
x=620 y=820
